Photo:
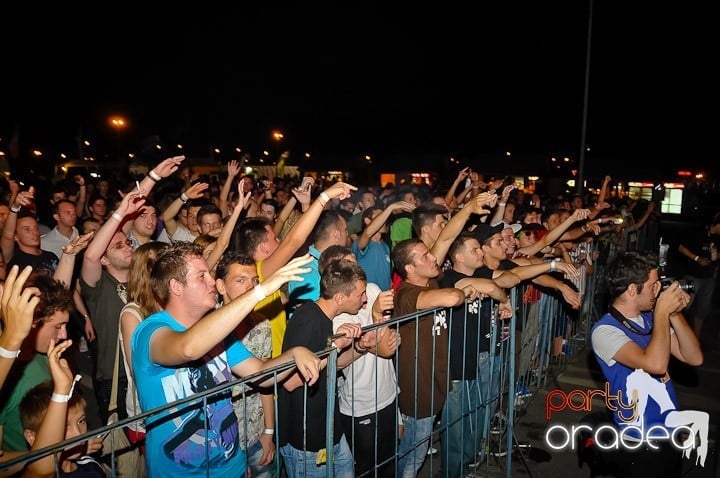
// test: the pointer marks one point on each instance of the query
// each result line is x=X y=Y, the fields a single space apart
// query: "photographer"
x=701 y=251
x=633 y=343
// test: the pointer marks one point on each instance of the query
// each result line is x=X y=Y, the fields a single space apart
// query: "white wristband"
x=259 y=292
x=552 y=265
x=269 y=431
x=184 y=198
x=9 y=354
x=117 y=216
x=15 y=209
x=59 y=398
x=154 y=176
x=325 y=197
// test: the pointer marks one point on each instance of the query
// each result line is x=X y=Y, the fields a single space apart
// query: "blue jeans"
x=254 y=455
x=299 y=463
x=414 y=445
x=489 y=389
x=464 y=415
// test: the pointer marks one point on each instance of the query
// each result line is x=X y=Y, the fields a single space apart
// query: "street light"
x=119 y=123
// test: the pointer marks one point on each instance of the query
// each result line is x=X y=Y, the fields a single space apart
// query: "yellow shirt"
x=273 y=308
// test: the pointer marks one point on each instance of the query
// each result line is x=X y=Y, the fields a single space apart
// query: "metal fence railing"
x=541 y=336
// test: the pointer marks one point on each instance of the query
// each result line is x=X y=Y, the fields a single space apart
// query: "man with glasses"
x=103 y=284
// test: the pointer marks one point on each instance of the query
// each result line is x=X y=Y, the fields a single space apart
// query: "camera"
x=686 y=285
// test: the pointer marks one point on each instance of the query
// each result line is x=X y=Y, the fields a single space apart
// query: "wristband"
x=15 y=209
x=259 y=292
x=9 y=354
x=358 y=349
x=325 y=197
x=269 y=431
x=552 y=265
x=502 y=204
x=117 y=217
x=696 y=258
x=60 y=398
x=184 y=198
x=154 y=176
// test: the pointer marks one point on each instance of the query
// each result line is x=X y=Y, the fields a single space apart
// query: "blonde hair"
x=139 y=285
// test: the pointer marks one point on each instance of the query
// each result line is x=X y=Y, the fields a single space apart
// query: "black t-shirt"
x=309 y=327
x=469 y=326
x=46 y=261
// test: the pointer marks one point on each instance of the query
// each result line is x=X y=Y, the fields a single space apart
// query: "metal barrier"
x=525 y=359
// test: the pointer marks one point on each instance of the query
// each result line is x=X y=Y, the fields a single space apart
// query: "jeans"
x=254 y=455
x=489 y=389
x=414 y=445
x=299 y=463
x=463 y=414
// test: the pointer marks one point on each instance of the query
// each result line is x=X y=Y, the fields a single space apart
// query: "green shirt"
x=24 y=376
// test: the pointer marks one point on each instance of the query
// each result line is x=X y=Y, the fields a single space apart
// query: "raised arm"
x=377 y=223
x=52 y=427
x=81 y=196
x=170 y=213
x=299 y=233
x=226 y=232
x=450 y=195
x=66 y=265
x=233 y=169
x=456 y=224
x=92 y=267
x=18 y=307
x=7 y=242
x=555 y=234
x=502 y=202
x=170 y=348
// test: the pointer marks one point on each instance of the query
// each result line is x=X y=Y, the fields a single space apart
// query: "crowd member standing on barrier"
x=302 y=413
x=633 y=343
x=422 y=357
x=180 y=351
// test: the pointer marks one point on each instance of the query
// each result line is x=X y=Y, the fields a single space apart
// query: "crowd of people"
x=178 y=285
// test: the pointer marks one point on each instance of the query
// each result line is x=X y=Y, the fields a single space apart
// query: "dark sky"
x=460 y=78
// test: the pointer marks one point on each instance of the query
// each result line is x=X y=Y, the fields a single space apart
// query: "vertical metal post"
x=583 y=134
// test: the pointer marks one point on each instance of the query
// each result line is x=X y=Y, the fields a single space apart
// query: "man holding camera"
x=633 y=343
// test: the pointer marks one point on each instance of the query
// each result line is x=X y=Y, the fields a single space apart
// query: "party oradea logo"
x=686 y=430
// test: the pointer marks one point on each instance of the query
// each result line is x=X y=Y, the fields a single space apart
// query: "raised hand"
x=197 y=190
x=303 y=196
x=293 y=270
x=78 y=244
x=340 y=190
x=463 y=174
x=580 y=214
x=18 y=307
x=60 y=371
x=168 y=166
x=25 y=198
x=243 y=197
x=132 y=202
x=233 y=168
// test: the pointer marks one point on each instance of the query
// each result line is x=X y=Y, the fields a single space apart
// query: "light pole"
x=119 y=123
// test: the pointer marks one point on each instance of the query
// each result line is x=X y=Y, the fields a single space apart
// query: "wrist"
x=359 y=348
x=269 y=431
x=184 y=198
x=259 y=292
x=696 y=258
x=154 y=176
x=117 y=217
x=15 y=209
x=11 y=353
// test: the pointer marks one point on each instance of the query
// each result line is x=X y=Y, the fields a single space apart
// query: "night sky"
x=453 y=78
